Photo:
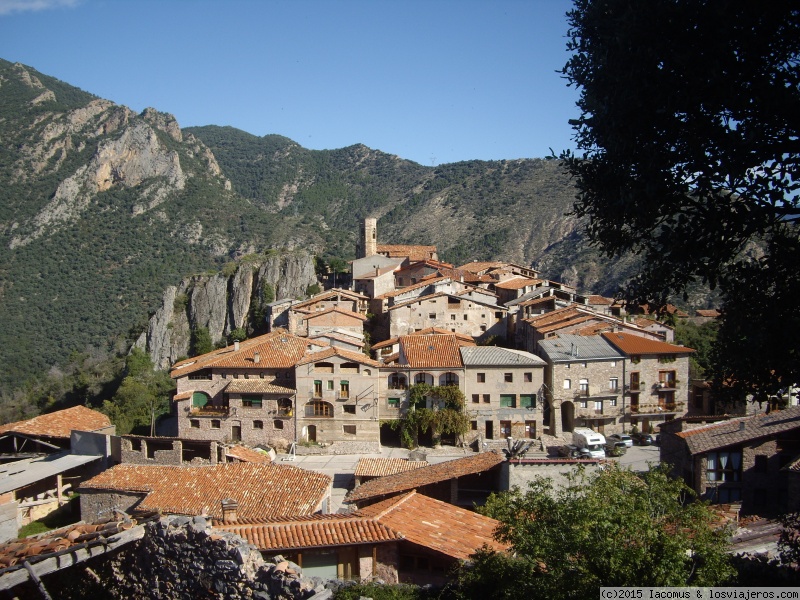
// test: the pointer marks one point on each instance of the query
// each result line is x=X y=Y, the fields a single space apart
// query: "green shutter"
x=199 y=399
x=527 y=400
x=508 y=401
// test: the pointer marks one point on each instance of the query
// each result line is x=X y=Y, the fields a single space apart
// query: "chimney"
x=235 y=345
x=256 y=358
x=229 y=509
x=742 y=425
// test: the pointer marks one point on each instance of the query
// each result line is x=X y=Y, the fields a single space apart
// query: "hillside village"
x=531 y=361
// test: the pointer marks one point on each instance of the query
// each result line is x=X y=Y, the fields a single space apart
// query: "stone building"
x=339 y=397
x=745 y=460
x=584 y=382
x=244 y=392
x=657 y=379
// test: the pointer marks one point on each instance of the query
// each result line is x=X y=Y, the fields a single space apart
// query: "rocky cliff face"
x=222 y=303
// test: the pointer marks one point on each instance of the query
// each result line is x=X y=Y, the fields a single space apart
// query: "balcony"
x=209 y=411
x=582 y=393
x=639 y=386
x=669 y=384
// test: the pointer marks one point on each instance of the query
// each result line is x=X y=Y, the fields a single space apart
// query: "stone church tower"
x=368 y=241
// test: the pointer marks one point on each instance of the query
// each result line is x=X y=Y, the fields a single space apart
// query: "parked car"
x=614 y=448
x=621 y=437
x=571 y=451
x=643 y=439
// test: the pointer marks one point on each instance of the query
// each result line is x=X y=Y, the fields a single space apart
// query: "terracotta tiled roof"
x=636 y=345
x=594 y=329
x=564 y=323
x=711 y=313
x=183 y=395
x=340 y=352
x=536 y=301
x=260 y=489
x=386 y=343
x=459 y=275
x=379 y=467
x=59 y=424
x=245 y=454
x=554 y=316
x=477 y=267
x=461 y=337
x=423 y=521
x=327 y=295
x=278 y=349
x=431 y=351
x=517 y=283
x=433 y=264
x=410 y=288
x=256 y=386
x=436 y=525
x=322 y=531
x=409 y=480
x=413 y=252
x=391 y=358
x=336 y=310
x=600 y=300
x=740 y=431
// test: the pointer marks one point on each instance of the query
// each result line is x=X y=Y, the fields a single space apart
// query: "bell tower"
x=368 y=241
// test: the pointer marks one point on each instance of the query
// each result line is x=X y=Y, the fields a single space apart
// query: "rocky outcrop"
x=223 y=302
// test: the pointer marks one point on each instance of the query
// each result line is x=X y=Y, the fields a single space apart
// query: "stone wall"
x=520 y=473
x=182 y=557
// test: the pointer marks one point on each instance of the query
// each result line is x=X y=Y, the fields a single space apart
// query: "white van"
x=594 y=442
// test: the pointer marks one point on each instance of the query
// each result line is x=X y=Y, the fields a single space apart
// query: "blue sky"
x=433 y=81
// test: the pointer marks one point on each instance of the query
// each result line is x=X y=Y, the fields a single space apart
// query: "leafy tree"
x=689 y=147
x=446 y=415
x=237 y=335
x=701 y=338
x=201 y=342
x=142 y=397
x=612 y=528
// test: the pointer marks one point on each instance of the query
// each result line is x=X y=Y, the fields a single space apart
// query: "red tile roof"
x=60 y=424
x=340 y=352
x=278 y=349
x=596 y=300
x=462 y=337
x=252 y=386
x=410 y=288
x=637 y=345
x=245 y=454
x=325 y=296
x=379 y=467
x=409 y=480
x=517 y=283
x=432 y=524
x=477 y=267
x=413 y=252
x=712 y=313
x=436 y=525
x=261 y=490
x=431 y=351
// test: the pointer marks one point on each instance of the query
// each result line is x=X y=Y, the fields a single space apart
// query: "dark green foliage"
x=237 y=335
x=378 y=591
x=688 y=134
x=446 y=415
x=201 y=342
x=612 y=528
x=702 y=339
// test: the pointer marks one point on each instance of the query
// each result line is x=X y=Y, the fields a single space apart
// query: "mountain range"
x=103 y=209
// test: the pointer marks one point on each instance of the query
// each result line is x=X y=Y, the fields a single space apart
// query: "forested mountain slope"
x=101 y=209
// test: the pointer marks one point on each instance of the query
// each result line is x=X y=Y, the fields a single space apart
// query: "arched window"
x=200 y=399
x=285 y=407
x=448 y=379
x=323 y=367
x=397 y=381
x=423 y=378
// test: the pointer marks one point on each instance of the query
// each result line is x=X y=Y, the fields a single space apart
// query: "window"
x=215 y=423
x=251 y=401
x=473 y=425
x=285 y=407
x=505 y=428
x=466 y=317
x=317 y=408
x=194 y=423
x=481 y=377
x=344 y=389
x=613 y=363
x=530 y=429
x=508 y=377
x=393 y=402
x=724 y=466
x=508 y=401
x=260 y=425
x=584 y=365
x=432 y=316
x=452 y=317
x=487 y=398
x=636 y=359
x=761 y=462
x=323 y=367
x=329 y=385
x=612 y=402
x=584 y=387
x=397 y=381
x=527 y=400
x=527 y=377
x=567 y=384
x=583 y=403
x=317 y=388
x=205 y=374
x=613 y=384
x=349 y=409
x=349 y=429
x=476 y=398
x=483 y=328
x=449 y=379
x=598 y=405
